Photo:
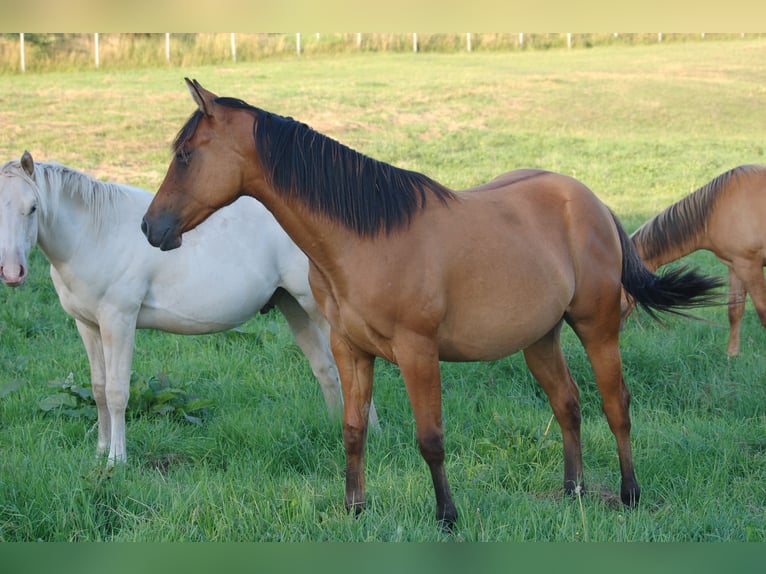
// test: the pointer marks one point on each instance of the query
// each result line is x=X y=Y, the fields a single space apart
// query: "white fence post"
x=95 y=36
x=167 y=47
x=298 y=43
x=23 y=59
x=415 y=42
x=358 y=40
x=468 y=41
x=521 y=39
x=569 y=40
x=233 y=47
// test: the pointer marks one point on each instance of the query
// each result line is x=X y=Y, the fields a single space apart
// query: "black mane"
x=364 y=194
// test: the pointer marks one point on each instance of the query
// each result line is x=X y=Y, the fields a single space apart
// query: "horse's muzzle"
x=13 y=276
x=162 y=231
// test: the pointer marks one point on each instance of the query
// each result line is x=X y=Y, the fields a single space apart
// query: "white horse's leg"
x=313 y=341
x=91 y=338
x=118 y=333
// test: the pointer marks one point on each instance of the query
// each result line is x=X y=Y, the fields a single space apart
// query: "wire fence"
x=47 y=52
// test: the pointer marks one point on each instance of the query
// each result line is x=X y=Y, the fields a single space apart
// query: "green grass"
x=641 y=125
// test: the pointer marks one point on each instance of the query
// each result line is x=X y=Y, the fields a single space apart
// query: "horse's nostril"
x=144 y=226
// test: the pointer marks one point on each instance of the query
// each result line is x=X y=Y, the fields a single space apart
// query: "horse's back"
x=512 y=258
x=545 y=198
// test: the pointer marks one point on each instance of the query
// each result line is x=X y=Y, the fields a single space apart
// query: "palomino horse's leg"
x=601 y=342
x=737 y=296
x=118 y=331
x=309 y=339
x=91 y=338
x=315 y=344
x=419 y=364
x=356 y=369
x=547 y=364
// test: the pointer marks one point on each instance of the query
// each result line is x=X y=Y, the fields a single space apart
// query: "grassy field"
x=641 y=125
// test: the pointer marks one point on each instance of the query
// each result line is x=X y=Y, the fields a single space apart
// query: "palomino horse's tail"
x=670 y=292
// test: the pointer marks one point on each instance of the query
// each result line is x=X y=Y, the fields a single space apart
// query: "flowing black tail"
x=670 y=292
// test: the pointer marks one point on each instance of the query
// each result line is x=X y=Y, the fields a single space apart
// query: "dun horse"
x=727 y=216
x=112 y=282
x=410 y=271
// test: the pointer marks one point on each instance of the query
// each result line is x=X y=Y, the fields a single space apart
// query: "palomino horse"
x=407 y=270
x=727 y=216
x=112 y=282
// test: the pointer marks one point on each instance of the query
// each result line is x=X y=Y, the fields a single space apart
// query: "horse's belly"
x=492 y=329
x=197 y=319
x=493 y=343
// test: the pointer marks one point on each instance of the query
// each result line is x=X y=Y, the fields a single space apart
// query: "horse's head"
x=211 y=155
x=18 y=219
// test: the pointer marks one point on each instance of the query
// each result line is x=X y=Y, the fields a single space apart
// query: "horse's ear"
x=28 y=163
x=203 y=97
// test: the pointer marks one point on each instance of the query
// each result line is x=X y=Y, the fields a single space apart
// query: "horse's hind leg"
x=737 y=296
x=547 y=364
x=601 y=342
x=310 y=339
x=314 y=341
x=91 y=338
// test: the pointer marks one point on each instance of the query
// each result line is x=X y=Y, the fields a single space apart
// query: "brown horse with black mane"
x=727 y=216
x=407 y=270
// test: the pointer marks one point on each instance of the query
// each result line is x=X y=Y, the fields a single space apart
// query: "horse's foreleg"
x=118 y=334
x=356 y=370
x=547 y=364
x=419 y=364
x=91 y=338
x=737 y=296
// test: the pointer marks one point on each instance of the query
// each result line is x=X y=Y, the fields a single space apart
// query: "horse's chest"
x=78 y=297
x=351 y=315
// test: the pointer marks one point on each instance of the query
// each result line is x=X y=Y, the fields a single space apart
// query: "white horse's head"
x=18 y=219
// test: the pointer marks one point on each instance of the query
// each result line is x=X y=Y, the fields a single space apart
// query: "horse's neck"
x=673 y=251
x=321 y=240
x=66 y=221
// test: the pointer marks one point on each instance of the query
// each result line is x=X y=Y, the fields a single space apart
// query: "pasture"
x=640 y=125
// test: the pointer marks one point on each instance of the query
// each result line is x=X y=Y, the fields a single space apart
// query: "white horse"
x=112 y=282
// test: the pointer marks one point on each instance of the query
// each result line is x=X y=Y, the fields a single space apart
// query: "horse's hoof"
x=447 y=520
x=355 y=508
x=630 y=497
x=574 y=489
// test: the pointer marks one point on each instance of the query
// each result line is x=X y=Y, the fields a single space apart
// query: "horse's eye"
x=32 y=209
x=182 y=156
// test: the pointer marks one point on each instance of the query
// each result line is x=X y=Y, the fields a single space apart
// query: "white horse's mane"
x=100 y=198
